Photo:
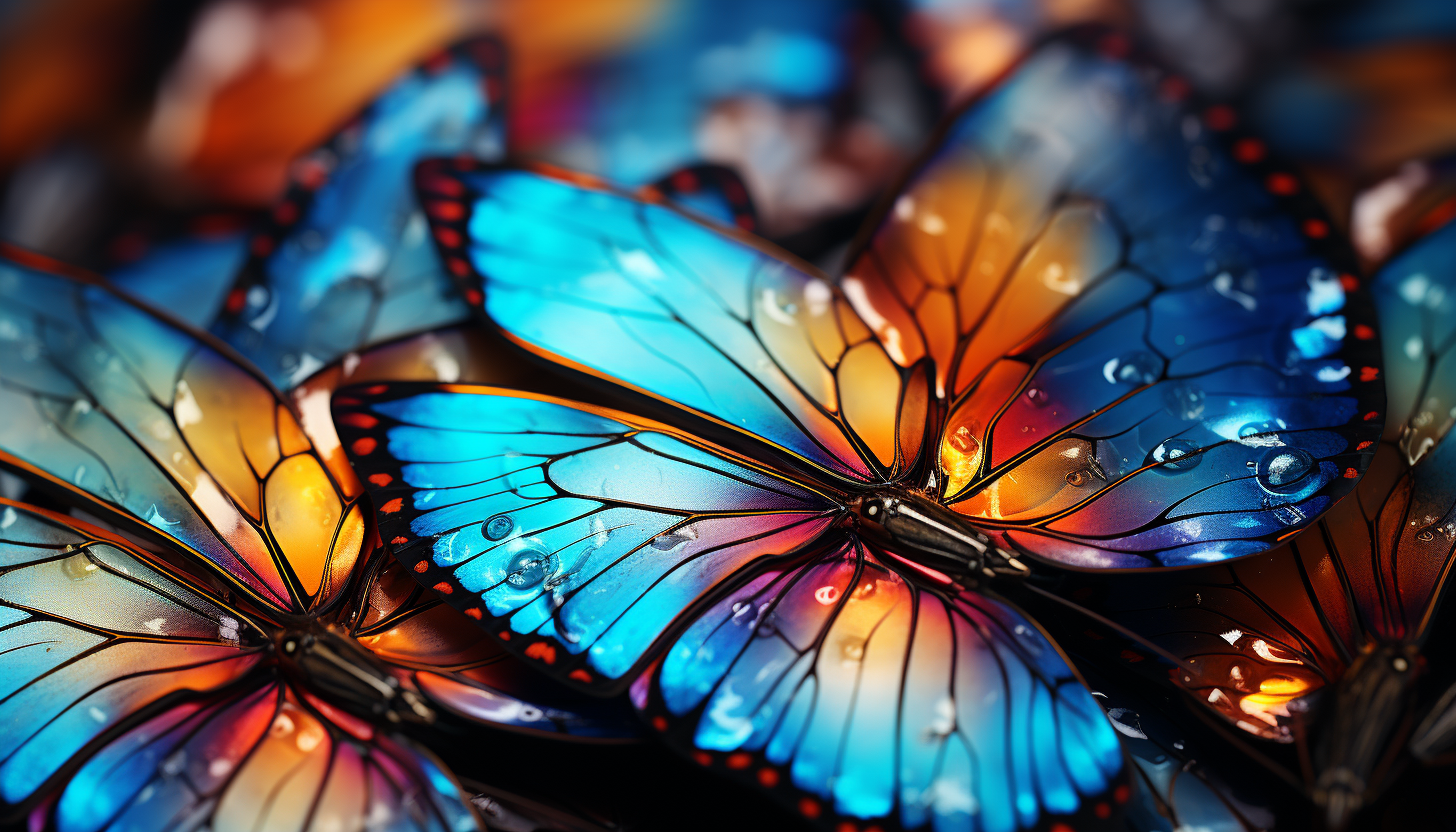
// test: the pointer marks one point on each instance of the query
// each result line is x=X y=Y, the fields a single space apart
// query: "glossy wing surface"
x=264 y=757
x=158 y=424
x=857 y=695
x=92 y=635
x=1146 y=347
x=347 y=260
x=575 y=536
x=188 y=277
x=714 y=192
x=682 y=310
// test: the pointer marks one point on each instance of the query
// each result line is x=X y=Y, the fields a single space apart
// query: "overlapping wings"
x=654 y=299
x=1132 y=329
x=161 y=426
x=576 y=536
x=854 y=694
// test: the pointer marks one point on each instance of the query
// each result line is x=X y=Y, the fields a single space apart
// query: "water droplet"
x=1281 y=470
x=1078 y=478
x=1037 y=396
x=1174 y=456
x=78 y=566
x=853 y=651
x=497 y=527
x=1425 y=535
x=766 y=626
x=1184 y=401
x=741 y=609
x=529 y=568
x=1136 y=368
x=1253 y=428
x=673 y=539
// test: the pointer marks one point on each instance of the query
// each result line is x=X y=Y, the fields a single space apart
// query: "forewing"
x=1151 y=349
x=575 y=536
x=93 y=634
x=682 y=310
x=160 y=425
x=857 y=695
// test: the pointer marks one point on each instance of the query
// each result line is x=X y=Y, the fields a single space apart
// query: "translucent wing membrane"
x=854 y=694
x=662 y=302
x=711 y=191
x=157 y=424
x=92 y=634
x=576 y=536
x=1146 y=348
x=187 y=276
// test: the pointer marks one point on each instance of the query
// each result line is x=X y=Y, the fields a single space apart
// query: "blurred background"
x=119 y=113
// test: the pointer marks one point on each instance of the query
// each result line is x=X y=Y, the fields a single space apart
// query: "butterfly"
x=1080 y=334
x=252 y=647
x=1332 y=624
x=344 y=260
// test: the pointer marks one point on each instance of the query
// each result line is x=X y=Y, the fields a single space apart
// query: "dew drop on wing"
x=1184 y=401
x=497 y=527
x=79 y=566
x=1174 y=456
x=529 y=568
x=1037 y=396
x=1281 y=470
x=1138 y=367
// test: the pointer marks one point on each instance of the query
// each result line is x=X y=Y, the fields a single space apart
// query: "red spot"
x=659 y=723
x=1282 y=184
x=1130 y=656
x=128 y=247
x=1121 y=793
x=735 y=192
x=443 y=185
x=1350 y=283
x=458 y=267
x=285 y=213
x=443 y=588
x=684 y=180
x=437 y=64
x=1174 y=88
x=262 y=246
x=1249 y=151
x=1369 y=373
x=474 y=297
x=399 y=541
x=445 y=210
x=504 y=635
x=376 y=389
x=1363 y=332
x=1114 y=45
x=1061 y=827
x=542 y=651
x=702 y=758
x=473 y=612
x=846 y=826
x=1437 y=217
x=422 y=567
x=1219 y=117
x=1092 y=635
x=235 y=300
x=381 y=480
x=392 y=506
x=1316 y=229
x=1371 y=415
x=1363 y=445
x=1351 y=473
x=448 y=237
x=768 y=777
x=1102 y=810
x=744 y=222
x=739 y=760
x=347 y=401
x=648 y=193
x=358 y=420
x=809 y=807
x=463 y=163
x=580 y=676
x=363 y=446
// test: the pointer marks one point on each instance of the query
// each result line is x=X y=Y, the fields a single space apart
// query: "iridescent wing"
x=1145 y=338
x=576 y=536
x=682 y=310
x=711 y=191
x=346 y=260
x=187 y=274
x=853 y=694
x=164 y=428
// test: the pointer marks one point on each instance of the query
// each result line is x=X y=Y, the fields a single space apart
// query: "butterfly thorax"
x=1368 y=708
x=916 y=527
x=335 y=667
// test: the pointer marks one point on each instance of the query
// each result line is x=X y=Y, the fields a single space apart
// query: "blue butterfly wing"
x=347 y=260
x=188 y=276
x=576 y=536
x=713 y=192
x=854 y=694
x=1151 y=351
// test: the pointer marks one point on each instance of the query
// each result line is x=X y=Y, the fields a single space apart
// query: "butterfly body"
x=330 y=662
x=923 y=530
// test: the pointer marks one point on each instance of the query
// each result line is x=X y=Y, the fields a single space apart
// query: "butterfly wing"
x=92 y=635
x=346 y=260
x=162 y=427
x=1150 y=351
x=682 y=310
x=711 y=191
x=187 y=276
x=856 y=695
x=576 y=536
